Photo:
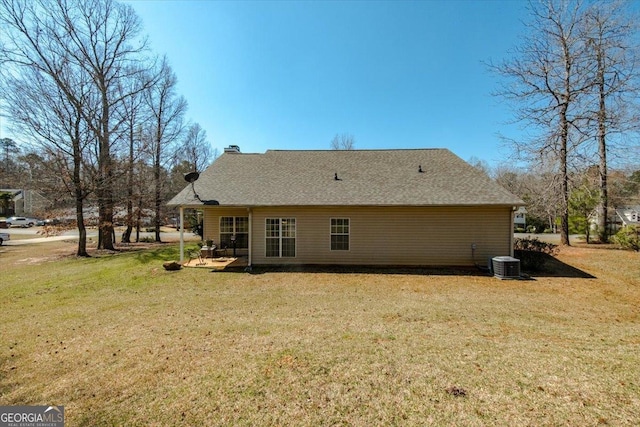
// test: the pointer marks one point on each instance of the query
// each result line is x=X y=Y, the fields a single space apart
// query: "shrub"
x=628 y=238
x=535 y=245
x=519 y=230
x=535 y=224
x=533 y=253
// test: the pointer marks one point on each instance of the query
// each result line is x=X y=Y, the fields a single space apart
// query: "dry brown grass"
x=119 y=341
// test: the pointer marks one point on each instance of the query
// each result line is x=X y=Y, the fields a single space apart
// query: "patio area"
x=219 y=264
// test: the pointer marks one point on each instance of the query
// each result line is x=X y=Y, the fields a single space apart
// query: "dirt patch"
x=56 y=250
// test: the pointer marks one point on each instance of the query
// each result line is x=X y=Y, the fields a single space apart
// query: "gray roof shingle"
x=366 y=178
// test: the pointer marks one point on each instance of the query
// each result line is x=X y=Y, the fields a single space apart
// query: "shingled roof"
x=416 y=177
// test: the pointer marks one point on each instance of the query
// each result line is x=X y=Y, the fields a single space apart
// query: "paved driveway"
x=30 y=236
x=549 y=238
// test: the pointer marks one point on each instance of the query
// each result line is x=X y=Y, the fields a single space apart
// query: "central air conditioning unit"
x=505 y=267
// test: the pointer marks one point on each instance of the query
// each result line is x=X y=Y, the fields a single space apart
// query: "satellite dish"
x=191 y=177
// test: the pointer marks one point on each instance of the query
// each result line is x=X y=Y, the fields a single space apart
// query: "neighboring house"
x=519 y=218
x=629 y=215
x=420 y=207
x=23 y=202
x=618 y=218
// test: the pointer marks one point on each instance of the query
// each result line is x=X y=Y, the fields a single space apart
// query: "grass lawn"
x=119 y=341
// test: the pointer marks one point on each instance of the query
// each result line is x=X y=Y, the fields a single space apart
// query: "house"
x=520 y=218
x=616 y=218
x=422 y=207
x=22 y=202
x=629 y=215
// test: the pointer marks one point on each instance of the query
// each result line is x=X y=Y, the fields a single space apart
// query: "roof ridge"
x=359 y=150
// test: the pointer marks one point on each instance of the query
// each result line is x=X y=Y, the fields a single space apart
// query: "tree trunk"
x=587 y=231
x=602 y=154
x=564 y=200
x=138 y=219
x=158 y=184
x=82 y=231
x=126 y=236
x=105 y=199
x=77 y=182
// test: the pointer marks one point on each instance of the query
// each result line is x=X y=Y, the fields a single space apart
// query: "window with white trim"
x=280 y=234
x=234 y=226
x=340 y=234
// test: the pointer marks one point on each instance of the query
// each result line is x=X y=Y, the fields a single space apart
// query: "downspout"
x=181 y=234
x=513 y=214
x=250 y=237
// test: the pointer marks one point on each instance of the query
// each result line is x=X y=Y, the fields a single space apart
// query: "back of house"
x=419 y=207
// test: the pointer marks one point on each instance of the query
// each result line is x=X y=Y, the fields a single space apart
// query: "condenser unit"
x=506 y=267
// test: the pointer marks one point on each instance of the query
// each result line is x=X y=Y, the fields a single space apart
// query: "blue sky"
x=292 y=74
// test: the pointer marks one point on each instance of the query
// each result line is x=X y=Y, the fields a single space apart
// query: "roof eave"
x=246 y=205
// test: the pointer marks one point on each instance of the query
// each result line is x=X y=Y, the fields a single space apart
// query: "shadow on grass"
x=356 y=269
x=553 y=267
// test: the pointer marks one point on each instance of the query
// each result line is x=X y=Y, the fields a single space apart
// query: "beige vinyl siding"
x=212 y=223
x=390 y=235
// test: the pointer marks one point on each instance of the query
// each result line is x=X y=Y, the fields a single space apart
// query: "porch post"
x=181 y=234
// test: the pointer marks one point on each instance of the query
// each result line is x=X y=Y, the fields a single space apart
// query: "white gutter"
x=513 y=215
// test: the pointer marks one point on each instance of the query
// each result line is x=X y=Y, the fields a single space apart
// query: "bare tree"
x=610 y=28
x=134 y=115
x=93 y=41
x=539 y=188
x=41 y=111
x=545 y=82
x=343 y=141
x=480 y=164
x=196 y=149
x=166 y=126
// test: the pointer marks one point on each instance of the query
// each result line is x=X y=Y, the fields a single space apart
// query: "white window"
x=280 y=236
x=237 y=226
x=340 y=234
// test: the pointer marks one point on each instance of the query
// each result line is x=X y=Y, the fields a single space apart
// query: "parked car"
x=20 y=221
x=4 y=237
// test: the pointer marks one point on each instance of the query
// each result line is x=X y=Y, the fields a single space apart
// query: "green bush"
x=535 y=224
x=628 y=237
x=519 y=230
x=533 y=253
